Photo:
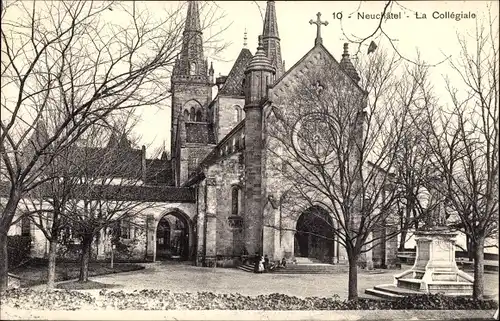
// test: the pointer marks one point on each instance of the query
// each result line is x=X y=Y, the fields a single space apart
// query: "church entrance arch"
x=172 y=237
x=314 y=236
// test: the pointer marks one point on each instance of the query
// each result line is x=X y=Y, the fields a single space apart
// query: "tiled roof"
x=127 y=193
x=159 y=171
x=142 y=193
x=233 y=86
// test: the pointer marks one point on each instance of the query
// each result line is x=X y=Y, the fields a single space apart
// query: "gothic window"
x=186 y=114
x=25 y=226
x=192 y=114
x=192 y=68
x=235 y=200
x=198 y=115
x=237 y=113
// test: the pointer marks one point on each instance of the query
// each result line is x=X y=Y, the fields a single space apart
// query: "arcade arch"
x=315 y=235
x=174 y=236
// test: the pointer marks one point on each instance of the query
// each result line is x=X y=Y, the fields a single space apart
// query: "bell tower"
x=259 y=74
x=191 y=94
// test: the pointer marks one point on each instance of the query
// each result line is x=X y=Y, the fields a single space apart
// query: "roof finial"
x=318 y=24
x=260 y=43
x=346 y=49
x=245 y=39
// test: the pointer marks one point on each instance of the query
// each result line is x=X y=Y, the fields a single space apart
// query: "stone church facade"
x=217 y=193
x=220 y=148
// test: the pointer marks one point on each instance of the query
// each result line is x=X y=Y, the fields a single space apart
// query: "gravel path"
x=187 y=278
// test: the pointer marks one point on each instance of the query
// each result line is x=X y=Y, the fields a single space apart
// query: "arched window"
x=192 y=68
x=237 y=113
x=192 y=114
x=235 y=200
x=186 y=114
x=198 y=115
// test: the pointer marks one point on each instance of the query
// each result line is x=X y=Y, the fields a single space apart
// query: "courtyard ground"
x=188 y=278
x=35 y=271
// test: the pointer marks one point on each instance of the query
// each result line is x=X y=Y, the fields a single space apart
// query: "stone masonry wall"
x=226 y=114
x=183 y=94
x=228 y=172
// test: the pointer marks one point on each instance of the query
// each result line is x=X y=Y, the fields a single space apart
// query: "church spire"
x=347 y=65
x=192 y=18
x=191 y=64
x=271 y=39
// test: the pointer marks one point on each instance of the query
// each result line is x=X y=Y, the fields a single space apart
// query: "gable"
x=316 y=59
x=233 y=86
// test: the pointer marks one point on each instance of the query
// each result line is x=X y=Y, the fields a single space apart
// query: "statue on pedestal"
x=435 y=208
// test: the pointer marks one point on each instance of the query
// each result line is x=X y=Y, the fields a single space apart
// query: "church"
x=217 y=194
x=219 y=147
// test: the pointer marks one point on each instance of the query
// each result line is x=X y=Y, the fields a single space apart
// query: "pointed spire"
x=192 y=18
x=113 y=140
x=270 y=21
x=271 y=39
x=245 y=39
x=347 y=65
x=124 y=142
x=211 y=72
x=191 y=64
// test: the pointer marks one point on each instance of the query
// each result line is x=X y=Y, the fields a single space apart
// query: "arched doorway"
x=172 y=237
x=314 y=236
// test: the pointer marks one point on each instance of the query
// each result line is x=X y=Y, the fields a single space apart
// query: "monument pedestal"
x=434 y=271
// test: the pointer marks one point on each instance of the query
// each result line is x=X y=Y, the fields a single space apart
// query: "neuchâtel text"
x=447 y=15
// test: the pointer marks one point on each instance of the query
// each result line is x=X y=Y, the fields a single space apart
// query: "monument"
x=435 y=269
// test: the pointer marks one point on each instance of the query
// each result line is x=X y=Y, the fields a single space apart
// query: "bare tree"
x=335 y=144
x=105 y=190
x=68 y=58
x=465 y=140
x=412 y=166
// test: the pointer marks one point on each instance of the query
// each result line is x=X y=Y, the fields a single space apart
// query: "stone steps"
x=411 y=284
x=310 y=268
x=391 y=292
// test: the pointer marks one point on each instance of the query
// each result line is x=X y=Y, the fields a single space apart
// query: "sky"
x=434 y=36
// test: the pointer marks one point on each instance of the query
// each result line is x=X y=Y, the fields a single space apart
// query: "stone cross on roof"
x=318 y=24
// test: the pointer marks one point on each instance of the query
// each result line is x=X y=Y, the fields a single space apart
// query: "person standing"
x=266 y=263
x=261 y=264
x=256 y=263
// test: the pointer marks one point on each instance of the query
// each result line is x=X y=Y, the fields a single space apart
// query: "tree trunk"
x=85 y=259
x=8 y=214
x=353 y=277
x=478 y=288
x=51 y=269
x=402 y=240
x=4 y=267
x=470 y=249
